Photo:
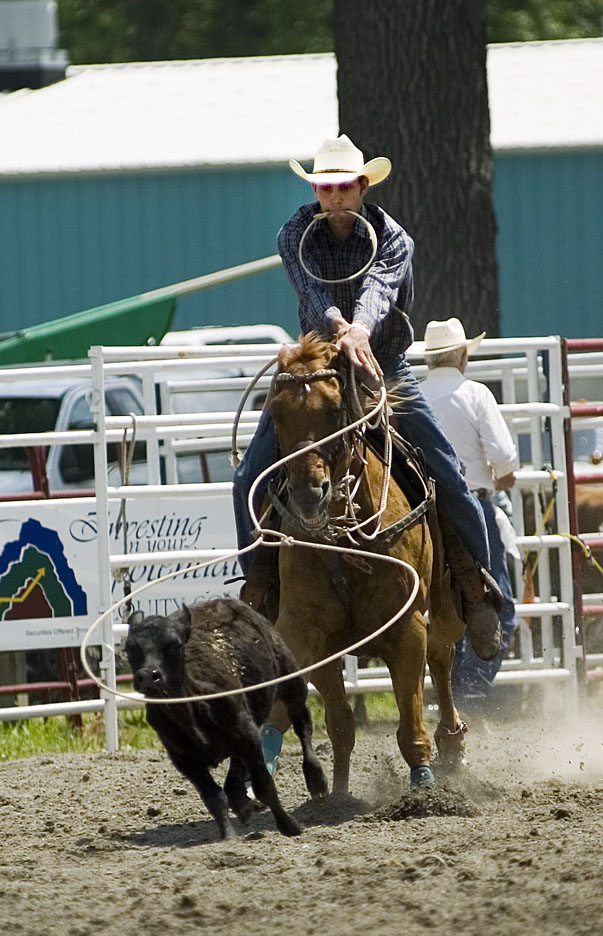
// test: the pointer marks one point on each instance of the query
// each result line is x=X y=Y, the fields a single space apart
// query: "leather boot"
x=481 y=598
x=261 y=588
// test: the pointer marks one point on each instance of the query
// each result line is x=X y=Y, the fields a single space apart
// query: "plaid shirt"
x=380 y=299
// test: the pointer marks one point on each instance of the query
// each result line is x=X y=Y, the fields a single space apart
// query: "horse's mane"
x=313 y=351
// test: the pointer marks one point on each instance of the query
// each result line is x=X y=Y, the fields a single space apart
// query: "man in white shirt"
x=481 y=438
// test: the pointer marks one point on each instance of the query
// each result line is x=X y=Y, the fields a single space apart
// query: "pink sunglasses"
x=342 y=186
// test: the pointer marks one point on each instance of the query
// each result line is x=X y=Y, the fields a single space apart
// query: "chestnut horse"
x=327 y=603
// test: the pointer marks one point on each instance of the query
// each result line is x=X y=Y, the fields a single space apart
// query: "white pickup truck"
x=57 y=404
x=62 y=404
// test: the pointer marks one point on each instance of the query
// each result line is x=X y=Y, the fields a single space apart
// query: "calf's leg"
x=248 y=746
x=211 y=794
x=236 y=793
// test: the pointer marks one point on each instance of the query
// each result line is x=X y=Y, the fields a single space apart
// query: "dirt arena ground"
x=121 y=844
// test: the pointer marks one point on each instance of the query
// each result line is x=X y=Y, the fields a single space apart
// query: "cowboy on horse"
x=351 y=266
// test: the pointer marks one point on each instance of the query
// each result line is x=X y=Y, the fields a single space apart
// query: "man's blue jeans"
x=420 y=426
x=472 y=677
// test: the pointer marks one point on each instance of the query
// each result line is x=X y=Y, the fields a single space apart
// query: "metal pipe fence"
x=548 y=651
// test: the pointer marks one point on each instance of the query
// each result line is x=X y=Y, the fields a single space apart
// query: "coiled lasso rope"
x=235 y=455
x=379 y=407
x=277 y=539
x=344 y=279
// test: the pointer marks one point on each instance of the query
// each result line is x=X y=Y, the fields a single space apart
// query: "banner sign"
x=49 y=588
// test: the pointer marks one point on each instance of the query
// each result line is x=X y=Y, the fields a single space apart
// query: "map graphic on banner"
x=36 y=580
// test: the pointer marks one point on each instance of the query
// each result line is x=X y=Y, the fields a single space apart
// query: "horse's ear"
x=284 y=356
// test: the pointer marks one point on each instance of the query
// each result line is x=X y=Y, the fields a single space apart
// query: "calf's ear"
x=184 y=622
x=135 y=618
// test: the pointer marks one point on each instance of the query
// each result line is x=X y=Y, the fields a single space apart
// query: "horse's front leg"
x=339 y=719
x=309 y=645
x=310 y=618
x=305 y=642
x=405 y=658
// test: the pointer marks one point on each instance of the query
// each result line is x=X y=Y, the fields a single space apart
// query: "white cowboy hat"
x=447 y=336
x=338 y=161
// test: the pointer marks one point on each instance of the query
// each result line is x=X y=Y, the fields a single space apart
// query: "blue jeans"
x=471 y=676
x=420 y=426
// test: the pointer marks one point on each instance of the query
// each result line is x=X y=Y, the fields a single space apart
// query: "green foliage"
x=57 y=736
x=157 y=30
x=523 y=20
x=380 y=708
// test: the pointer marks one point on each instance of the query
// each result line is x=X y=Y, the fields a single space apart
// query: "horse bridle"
x=305 y=381
x=333 y=452
x=331 y=529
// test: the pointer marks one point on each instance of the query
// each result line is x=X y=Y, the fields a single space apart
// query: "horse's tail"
x=445 y=611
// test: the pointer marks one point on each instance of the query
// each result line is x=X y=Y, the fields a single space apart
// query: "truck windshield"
x=21 y=414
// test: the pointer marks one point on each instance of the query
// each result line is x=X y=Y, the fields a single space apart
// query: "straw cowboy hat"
x=338 y=161
x=447 y=336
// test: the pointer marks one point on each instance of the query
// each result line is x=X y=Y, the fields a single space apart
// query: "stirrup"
x=482 y=627
x=492 y=587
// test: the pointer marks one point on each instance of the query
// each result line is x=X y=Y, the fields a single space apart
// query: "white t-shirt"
x=474 y=425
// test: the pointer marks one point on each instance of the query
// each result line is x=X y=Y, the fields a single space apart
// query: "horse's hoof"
x=422 y=777
x=451 y=746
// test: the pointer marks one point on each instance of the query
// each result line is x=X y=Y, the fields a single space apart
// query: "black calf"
x=212 y=647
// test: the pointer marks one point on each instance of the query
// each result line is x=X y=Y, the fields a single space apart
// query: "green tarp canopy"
x=127 y=322
x=134 y=321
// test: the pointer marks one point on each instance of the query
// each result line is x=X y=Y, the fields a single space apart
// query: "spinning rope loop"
x=235 y=455
x=343 y=279
x=279 y=539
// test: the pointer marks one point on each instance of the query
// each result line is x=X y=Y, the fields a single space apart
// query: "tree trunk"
x=412 y=86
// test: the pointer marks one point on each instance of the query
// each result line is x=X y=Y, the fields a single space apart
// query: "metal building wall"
x=549 y=208
x=72 y=243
